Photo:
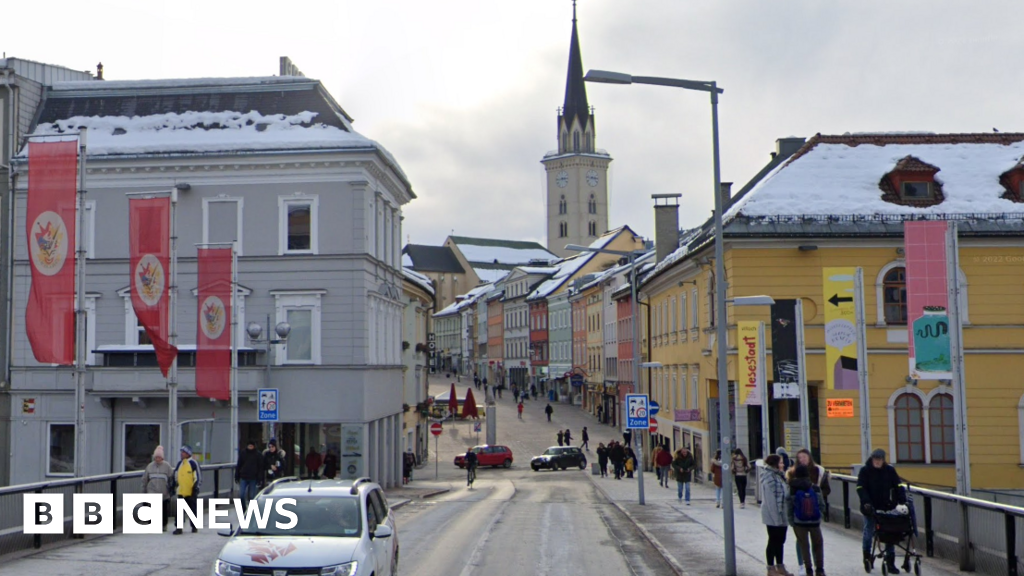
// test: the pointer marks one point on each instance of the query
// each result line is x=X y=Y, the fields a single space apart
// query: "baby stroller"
x=897 y=528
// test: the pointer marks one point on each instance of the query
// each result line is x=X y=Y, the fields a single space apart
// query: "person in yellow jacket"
x=187 y=478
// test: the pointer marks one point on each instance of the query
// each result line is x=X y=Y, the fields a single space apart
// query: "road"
x=517 y=521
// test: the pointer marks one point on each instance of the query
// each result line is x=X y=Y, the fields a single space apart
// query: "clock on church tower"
x=577 y=171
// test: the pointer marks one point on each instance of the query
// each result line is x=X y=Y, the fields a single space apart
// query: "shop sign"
x=840 y=328
x=750 y=352
x=839 y=407
x=687 y=415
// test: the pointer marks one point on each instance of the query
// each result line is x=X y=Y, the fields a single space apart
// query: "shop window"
x=62 y=450
x=139 y=442
x=940 y=429
x=909 y=428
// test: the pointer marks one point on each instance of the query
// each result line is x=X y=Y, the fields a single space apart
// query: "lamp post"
x=721 y=316
x=255 y=332
x=632 y=256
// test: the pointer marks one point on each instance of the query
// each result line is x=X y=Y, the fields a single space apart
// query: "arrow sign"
x=653 y=407
x=836 y=299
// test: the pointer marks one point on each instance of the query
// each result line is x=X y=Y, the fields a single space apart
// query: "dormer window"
x=912 y=182
x=1013 y=181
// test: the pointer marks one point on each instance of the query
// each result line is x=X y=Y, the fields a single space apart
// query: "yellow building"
x=842 y=201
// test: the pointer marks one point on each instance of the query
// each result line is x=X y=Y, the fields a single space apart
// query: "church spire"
x=575 y=105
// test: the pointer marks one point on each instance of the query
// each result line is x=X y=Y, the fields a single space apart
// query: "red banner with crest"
x=213 y=336
x=50 y=226
x=149 y=239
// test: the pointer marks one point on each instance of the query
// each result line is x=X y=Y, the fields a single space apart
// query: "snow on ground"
x=842 y=179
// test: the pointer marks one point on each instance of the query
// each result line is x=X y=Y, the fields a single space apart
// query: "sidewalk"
x=690 y=537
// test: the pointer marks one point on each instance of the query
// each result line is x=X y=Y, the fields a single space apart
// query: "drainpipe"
x=8 y=223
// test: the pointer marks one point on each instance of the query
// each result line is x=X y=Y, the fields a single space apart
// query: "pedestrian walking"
x=549 y=411
x=561 y=436
x=654 y=458
x=820 y=478
x=740 y=469
x=602 y=459
x=716 y=477
x=187 y=478
x=519 y=408
x=682 y=469
x=664 y=463
x=533 y=391
x=878 y=486
x=408 y=463
x=803 y=505
x=515 y=394
x=600 y=414
x=773 y=513
x=586 y=440
x=617 y=456
x=568 y=437
x=156 y=480
x=330 y=465
x=273 y=461
x=313 y=462
x=249 y=472
x=631 y=462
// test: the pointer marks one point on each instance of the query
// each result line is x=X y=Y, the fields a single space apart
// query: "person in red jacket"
x=313 y=463
x=664 y=463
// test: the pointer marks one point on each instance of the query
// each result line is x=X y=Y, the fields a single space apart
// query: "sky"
x=464 y=93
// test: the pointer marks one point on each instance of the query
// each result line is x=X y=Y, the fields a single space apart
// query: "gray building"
x=314 y=210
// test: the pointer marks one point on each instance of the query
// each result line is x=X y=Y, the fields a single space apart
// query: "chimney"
x=788 y=146
x=99 y=71
x=666 y=224
x=725 y=189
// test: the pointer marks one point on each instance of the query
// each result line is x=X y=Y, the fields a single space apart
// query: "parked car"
x=343 y=527
x=488 y=456
x=559 y=458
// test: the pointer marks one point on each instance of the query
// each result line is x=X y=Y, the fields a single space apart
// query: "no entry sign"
x=654 y=425
x=435 y=429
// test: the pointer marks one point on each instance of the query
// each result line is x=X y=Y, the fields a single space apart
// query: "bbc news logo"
x=143 y=513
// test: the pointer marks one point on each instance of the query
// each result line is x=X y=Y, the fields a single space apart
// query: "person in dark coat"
x=561 y=436
x=249 y=472
x=568 y=437
x=408 y=463
x=878 y=488
x=549 y=411
x=586 y=440
x=330 y=465
x=273 y=461
x=682 y=468
x=313 y=462
x=602 y=459
x=617 y=456
x=807 y=529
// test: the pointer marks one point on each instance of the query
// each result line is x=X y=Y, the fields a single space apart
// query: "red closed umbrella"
x=469 y=406
x=453 y=402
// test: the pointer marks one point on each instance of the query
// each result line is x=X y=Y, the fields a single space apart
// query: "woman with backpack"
x=820 y=478
x=773 y=513
x=803 y=504
x=740 y=468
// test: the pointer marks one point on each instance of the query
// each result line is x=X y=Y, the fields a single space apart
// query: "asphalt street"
x=517 y=521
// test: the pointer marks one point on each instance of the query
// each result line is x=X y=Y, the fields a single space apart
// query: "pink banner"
x=927 y=300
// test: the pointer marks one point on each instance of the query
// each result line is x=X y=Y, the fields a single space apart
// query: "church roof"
x=432 y=259
x=575 y=104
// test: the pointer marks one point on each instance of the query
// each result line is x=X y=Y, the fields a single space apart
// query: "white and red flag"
x=213 y=337
x=50 y=226
x=149 y=239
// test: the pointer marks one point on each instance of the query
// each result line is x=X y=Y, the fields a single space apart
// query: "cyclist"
x=471 y=462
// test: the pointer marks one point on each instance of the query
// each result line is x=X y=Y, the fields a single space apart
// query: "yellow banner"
x=840 y=328
x=749 y=346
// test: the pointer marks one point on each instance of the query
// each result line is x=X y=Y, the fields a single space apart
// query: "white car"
x=344 y=528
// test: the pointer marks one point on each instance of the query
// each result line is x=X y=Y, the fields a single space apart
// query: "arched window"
x=894 y=296
x=909 y=428
x=588 y=148
x=576 y=141
x=592 y=228
x=940 y=429
x=562 y=207
x=565 y=141
x=592 y=205
x=563 y=229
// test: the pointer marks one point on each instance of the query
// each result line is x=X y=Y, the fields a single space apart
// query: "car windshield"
x=553 y=451
x=336 y=516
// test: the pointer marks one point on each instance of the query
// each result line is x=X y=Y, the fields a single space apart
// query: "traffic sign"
x=477 y=427
x=637 y=412
x=654 y=425
x=268 y=405
x=654 y=407
x=435 y=429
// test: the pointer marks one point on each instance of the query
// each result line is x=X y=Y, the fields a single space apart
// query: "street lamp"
x=632 y=256
x=721 y=316
x=255 y=331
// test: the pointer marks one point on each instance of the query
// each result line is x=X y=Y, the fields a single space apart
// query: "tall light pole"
x=721 y=316
x=255 y=333
x=632 y=256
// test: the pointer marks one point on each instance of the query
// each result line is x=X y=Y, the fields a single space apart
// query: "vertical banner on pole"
x=51 y=227
x=213 y=338
x=840 y=328
x=785 y=357
x=750 y=347
x=927 y=300
x=862 y=365
x=149 y=240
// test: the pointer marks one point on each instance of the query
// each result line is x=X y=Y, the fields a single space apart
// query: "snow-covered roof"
x=570 y=266
x=97 y=85
x=490 y=275
x=619 y=269
x=839 y=175
x=466 y=300
x=418 y=279
x=538 y=269
x=508 y=252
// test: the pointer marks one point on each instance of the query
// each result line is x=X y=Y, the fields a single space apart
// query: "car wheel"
x=535 y=468
x=562 y=466
x=507 y=463
x=394 y=565
x=583 y=464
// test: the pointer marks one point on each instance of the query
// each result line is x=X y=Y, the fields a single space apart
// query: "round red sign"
x=654 y=425
x=435 y=428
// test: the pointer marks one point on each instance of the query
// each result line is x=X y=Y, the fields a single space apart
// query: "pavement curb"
x=662 y=550
x=437 y=492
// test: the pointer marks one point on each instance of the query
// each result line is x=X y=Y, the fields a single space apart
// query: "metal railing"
x=977 y=534
x=216 y=478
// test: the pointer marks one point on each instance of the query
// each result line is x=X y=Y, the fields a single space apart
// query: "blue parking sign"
x=268 y=404
x=638 y=416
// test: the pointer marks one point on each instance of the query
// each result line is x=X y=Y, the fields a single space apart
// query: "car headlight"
x=222 y=568
x=340 y=570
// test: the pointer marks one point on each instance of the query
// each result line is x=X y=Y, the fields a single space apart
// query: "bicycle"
x=470 y=475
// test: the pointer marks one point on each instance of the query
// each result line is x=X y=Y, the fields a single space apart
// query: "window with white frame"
x=694 y=383
x=222 y=221
x=298 y=224
x=301 y=310
x=683 y=396
x=891 y=295
x=694 y=319
x=61 y=450
x=139 y=442
x=682 y=316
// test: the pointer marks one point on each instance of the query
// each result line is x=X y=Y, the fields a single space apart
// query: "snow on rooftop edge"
x=176 y=82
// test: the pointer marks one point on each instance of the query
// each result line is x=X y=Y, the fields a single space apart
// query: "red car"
x=488 y=456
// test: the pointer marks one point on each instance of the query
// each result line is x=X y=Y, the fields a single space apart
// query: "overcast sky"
x=464 y=93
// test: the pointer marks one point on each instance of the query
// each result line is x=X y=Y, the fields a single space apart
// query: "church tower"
x=577 y=172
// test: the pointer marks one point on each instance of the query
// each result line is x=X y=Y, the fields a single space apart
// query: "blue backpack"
x=805 y=506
